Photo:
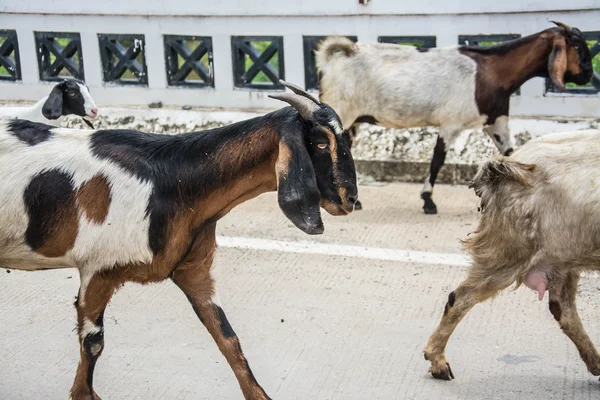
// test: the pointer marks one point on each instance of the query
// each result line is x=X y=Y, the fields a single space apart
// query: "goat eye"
x=322 y=146
x=72 y=94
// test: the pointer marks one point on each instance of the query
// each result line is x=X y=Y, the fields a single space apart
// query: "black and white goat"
x=69 y=97
x=540 y=226
x=126 y=206
x=454 y=88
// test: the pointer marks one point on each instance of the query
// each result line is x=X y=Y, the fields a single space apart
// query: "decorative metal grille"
x=593 y=40
x=425 y=42
x=10 y=65
x=123 y=59
x=311 y=77
x=488 y=40
x=59 y=55
x=189 y=61
x=257 y=61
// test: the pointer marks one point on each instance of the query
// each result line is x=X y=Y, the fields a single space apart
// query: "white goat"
x=454 y=88
x=540 y=225
x=68 y=97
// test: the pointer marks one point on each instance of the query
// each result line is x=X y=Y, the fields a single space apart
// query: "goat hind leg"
x=198 y=286
x=459 y=303
x=91 y=303
x=564 y=309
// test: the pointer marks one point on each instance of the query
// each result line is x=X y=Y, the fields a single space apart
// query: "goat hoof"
x=357 y=205
x=432 y=210
x=429 y=207
x=443 y=373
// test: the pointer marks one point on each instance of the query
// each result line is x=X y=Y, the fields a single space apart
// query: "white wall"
x=291 y=19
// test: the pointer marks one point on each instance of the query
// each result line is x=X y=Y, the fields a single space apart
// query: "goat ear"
x=297 y=191
x=52 y=108
x=557 y=63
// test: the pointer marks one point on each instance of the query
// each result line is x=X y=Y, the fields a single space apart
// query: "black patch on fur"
x=28 y=132
x=437 y=161
x=451 y=299
x=43 y=198
x=182 y=168
x=498 y=138
x=555 y=309
x=422 y=49
x=88 y=342
x=368 y=119
x=226 y=328
x=450 y=303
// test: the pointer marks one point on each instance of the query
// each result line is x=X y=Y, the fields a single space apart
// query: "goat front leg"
x=198 y=285
x=94 y=295
x=564 y=309
x=437 y=161
x=460 y=302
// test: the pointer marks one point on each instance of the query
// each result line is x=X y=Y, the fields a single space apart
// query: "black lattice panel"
x=311 y=77
x=123 y=59
x=189 y=61
x=10 y=65
x=593 y=41
x=425 y=42
x=257 y=61
x=59 y=55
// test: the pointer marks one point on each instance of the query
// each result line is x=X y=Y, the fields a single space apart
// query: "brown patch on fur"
x=94 y=198
x=62 y=234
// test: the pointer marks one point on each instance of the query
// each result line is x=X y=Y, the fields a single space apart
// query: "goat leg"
x=198 y=286
x=564 y=309
x=91 y=303
x=459 y=303
x=437 y=161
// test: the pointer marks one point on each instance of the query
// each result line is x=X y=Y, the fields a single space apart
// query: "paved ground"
x=313 y=326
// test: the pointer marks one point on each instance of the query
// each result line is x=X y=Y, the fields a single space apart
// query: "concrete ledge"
x=414 y=171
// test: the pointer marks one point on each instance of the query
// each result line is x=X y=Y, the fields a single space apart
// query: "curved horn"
x=298 y=90
x=303 y=105
x=562 y=25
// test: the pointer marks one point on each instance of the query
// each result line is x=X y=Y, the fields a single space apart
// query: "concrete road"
x=339 y=316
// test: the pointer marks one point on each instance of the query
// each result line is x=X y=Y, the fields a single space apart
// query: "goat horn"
x=304 y=106
x=298 y=90
x=562 y=25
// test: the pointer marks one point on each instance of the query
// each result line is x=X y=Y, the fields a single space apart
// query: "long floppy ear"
x=557 y=63
x=297 y=191
x=52 y=108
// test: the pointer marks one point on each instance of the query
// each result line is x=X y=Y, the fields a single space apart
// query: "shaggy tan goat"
x=540 y=225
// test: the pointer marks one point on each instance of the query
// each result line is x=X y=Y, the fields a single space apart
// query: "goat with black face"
x=127 y=206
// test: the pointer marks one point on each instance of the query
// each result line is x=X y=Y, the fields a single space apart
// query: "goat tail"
x=501 y=169
x=331 y=45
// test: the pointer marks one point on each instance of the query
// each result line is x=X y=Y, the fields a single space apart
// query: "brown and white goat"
x=455 y=88
x=126 y=206
x=540 y=225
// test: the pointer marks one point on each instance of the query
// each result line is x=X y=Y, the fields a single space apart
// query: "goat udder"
x=537 y=280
